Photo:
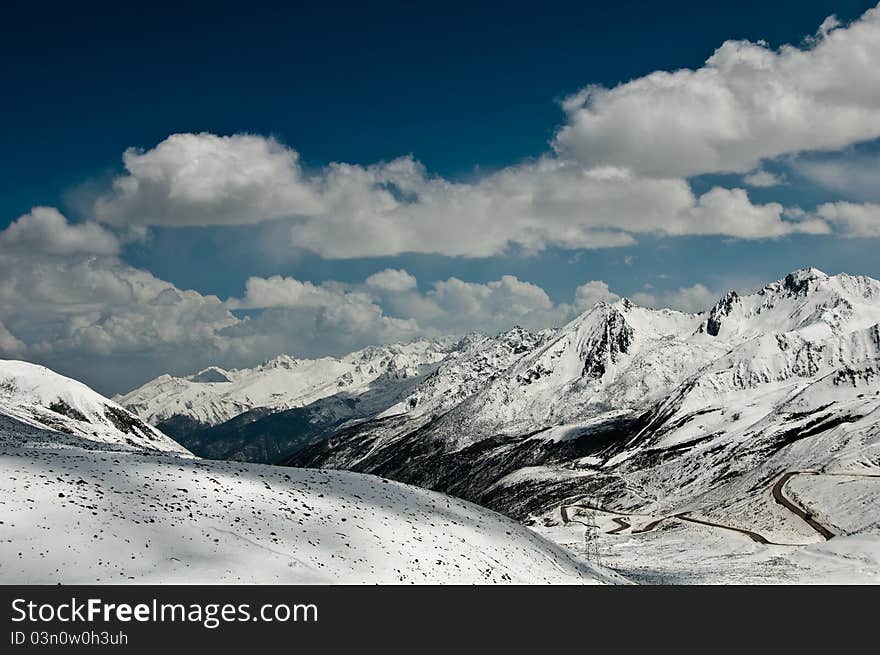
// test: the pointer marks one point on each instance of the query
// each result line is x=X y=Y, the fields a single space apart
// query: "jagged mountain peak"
x=799 y=281
x=806 y=300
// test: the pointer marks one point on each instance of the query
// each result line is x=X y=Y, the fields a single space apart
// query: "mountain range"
x=747 y=435
x=637 y=409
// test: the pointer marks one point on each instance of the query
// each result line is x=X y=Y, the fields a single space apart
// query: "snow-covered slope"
x=81 y=506
x=475 y=361
x=215 y=395
x=611 y=357
x=41 y=398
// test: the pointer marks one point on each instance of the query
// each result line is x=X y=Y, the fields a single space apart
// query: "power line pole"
x=591 y=535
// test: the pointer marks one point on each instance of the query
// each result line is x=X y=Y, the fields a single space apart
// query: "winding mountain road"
x=623 y=524
x=777 y=491
x=779 y=497
x=563 y=512
x=650 y=526
x=754 y=536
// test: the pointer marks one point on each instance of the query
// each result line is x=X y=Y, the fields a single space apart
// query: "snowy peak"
x=799 y=282
x=722 y=309
x=805 y=300
x=604 y=344
x=34 y=396
x=210 y=374
x=601 y=340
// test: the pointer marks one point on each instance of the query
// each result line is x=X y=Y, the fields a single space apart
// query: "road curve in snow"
x=754 y=536
x=622 y=524
x=779 y=496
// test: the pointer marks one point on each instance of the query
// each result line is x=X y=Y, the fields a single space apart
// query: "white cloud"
x=763 y=179
x=451 y=305
x=854 y=220
x=587 y=295
x=747 y=103
x=389 y=208
x=45 y=231
x=694 y=299
x=204 y=179
x=392 y=279
x=97 y=318
x=730 y=212
x=856 y=176
x=280 y=291
x=455 y=305
x=10 y=345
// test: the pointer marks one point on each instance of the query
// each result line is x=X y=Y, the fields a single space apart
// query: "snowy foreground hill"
x=89 y=493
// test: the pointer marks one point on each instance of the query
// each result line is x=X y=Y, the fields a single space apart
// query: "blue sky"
x=481 y=100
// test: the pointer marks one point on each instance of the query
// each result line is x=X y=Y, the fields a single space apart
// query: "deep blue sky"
x=464 y=87
x=459 y=85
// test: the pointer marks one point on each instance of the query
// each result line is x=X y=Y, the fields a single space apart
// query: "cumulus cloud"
x=732 y=209
x=113 y=325
x=10 y=345
x=205 y=179
x=456 y=305
x=392 y=279
x=747 y=103
x=618 y=168
x=388 y=208
x=853 y=219
x=280 y=291
x=45 y=231
x=587 y=295
x=94 y=316
x=398 y=309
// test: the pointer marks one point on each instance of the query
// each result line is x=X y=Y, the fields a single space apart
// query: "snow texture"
x=87 y=499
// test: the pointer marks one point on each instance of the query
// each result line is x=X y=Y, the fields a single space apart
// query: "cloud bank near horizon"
x=71 y=299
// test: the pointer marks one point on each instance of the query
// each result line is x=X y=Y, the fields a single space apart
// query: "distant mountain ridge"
x=214 y=395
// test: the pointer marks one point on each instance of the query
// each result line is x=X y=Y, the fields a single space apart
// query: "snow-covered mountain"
x=757 y=420
x=285 y=404
x=655 y=411
x=475 y=361
x=215 y=395
x=42 y=400
x=88 y=494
